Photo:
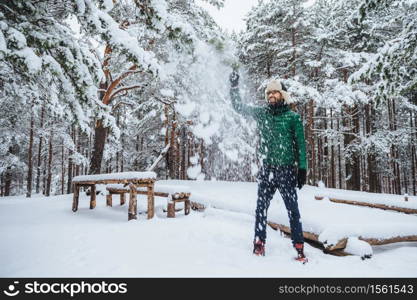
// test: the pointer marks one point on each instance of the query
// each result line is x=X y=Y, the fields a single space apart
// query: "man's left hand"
x=301 y=178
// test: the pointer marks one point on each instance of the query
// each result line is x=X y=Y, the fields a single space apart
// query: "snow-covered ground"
x=43 y=237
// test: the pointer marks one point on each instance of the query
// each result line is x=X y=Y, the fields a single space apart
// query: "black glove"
x=234 y=79
x=301 y=178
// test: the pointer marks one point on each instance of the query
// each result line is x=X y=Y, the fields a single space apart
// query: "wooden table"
x=133 y=180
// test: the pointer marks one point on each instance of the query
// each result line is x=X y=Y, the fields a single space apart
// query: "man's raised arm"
x=237 y=101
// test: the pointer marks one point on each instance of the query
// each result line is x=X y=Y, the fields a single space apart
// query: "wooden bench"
x=132 y=180
x=170 y=192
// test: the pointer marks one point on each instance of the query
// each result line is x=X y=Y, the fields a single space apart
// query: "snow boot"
x=299 y=247
x=259 y=248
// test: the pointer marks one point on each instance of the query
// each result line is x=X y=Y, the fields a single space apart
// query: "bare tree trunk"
x=7 y=181
x=356 y=167
x=122 y=137
x=62 y=168
x=30 y=164
x=352 y=164
x=310 y=139
x=1 y=184
x=39 y=161
x=99 y=142
x=167 y=156
x=50 y=153
x=294 y=53
x=77 y=141
x=44 y=174
x=184 y=152
x=173 y=149
x=70 y=164
x=413 y=154
x=372 y=175
x=339 y=156
x=396 y=154
x=325 y=151
x=332 y=160
x=202 y=154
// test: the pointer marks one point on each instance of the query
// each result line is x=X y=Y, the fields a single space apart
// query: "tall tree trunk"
x=70 y=165
x=184 y=151
x=396 y=154
x=50 y=153
x=77 y=140
x=30 y=164
x=372 y=174
x=62 y=168
x=332 y=160
x=100 y=134
x=339 y=154
x=39 y=161
x=118 y=152
x=7 y=181
x=173 y=149
x=202 y=155
x=310 y=139
x=352 y=164
x=413 y=153
x=44 y=175
x=326 y=152
x=294 y=53
x=356 y=167
x=122 y=153
x=1 y=184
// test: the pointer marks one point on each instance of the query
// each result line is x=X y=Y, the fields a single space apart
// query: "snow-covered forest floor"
x=43 y=237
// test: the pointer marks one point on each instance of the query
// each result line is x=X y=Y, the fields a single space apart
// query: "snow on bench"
x=115 y=177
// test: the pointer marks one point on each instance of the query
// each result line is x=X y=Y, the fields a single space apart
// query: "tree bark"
x=339 y=152
x=310 y=139
x=50 y=154
x=173 y=150
x=1 y=184
x=356 y=167
x=332 y=160
x=39 y=161
x=44 y=175
x=413 y=154
x=99 y=143
x=30 y=164
x=62 y=168
x=184 y=152
x=7 y=181
x=70 y=164
x=77 y=142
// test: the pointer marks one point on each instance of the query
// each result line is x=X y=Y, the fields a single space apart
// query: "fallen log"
x=341 y=244
x=376 y=205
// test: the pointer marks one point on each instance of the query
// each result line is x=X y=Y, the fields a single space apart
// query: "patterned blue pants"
x=270 y=179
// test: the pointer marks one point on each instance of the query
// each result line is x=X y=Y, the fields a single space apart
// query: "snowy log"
x=376 y=205
x=341 y=244
x=358 y=247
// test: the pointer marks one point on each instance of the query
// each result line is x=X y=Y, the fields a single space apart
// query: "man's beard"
x=277 y=104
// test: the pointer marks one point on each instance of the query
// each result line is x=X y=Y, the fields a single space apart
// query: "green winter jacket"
x=282 y=134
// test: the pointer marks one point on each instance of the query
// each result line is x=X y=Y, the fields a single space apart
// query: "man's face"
x=274 y=97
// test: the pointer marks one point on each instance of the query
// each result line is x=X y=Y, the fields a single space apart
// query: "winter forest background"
x=99 y=86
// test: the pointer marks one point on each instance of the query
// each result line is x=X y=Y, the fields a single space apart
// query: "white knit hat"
x=276 y=85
